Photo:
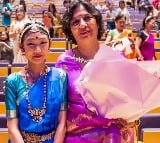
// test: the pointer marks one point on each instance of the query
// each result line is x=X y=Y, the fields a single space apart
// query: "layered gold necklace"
x=37 y=113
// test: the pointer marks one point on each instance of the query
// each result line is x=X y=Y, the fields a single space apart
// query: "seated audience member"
x=48 y=22
x=120 y=39
x=110 y=17
x=123 y=10
x=6 y=47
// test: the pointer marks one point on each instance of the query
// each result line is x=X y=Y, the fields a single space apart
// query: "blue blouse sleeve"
x=63 y=86
x=10 y=96
x=9 y=6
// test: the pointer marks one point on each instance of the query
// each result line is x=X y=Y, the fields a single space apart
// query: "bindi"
x=37 y=37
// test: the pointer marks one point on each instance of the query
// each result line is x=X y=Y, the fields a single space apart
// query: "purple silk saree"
x=83 y=125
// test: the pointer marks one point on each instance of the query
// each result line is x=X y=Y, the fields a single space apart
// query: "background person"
x=15 y=29
x=6 y=47
x=6 y=13
x=144 y=43
x=120 y=38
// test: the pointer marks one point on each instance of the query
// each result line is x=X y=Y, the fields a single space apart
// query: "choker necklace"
x=79 y=59
x=37 y=113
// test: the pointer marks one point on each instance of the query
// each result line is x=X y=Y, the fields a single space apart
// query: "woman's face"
x=122 y=5
x=83 y=25
x=3 y=36
x=45 y=14
x=36 y=46
x=110 y=6
x=20 y=14
x=151 y=24
x=120 y=24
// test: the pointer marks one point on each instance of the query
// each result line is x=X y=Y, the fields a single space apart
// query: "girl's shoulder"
x=13 y=76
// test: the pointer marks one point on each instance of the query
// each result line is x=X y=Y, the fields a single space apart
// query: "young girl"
x=6 y=47
x=35 y=97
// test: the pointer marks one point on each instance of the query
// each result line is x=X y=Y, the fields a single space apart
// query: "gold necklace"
x=37 y=113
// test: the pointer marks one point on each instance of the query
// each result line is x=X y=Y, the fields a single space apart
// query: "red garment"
x=47 y=22
x=155 y=3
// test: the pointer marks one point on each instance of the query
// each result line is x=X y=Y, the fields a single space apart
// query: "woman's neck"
x=87 y=51
x=147 y=31
x=120 y=30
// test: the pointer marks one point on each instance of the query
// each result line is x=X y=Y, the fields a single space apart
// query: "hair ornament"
x=148 y=18
x=33 y=26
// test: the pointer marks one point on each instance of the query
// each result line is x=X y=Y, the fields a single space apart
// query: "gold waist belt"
x=35 y=138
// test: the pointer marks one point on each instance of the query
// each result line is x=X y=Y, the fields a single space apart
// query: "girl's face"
x=83 y=25
x=36 y=46
x=20 y=14
x=3 y=36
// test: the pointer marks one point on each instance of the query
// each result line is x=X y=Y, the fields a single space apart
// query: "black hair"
x=121 y=2
x=54 y=10
x=28 y=26
x=119 y=16
x=23 y=3
x=7 y=33
x=146 y=20
x=66 y=1
x=67 y=17
x=5 y=2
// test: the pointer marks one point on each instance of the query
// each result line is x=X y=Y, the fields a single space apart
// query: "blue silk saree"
x=17 y=107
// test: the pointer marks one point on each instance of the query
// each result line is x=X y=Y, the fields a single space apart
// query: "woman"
x=83 y=25
x=123 y=10
x=15 y=29
x=144 y=43
x=110 y=16
x=48 y=22
x=121 y=39
x=35 y=97
x=6 y=47
x=6 y=13
x=56 y=20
